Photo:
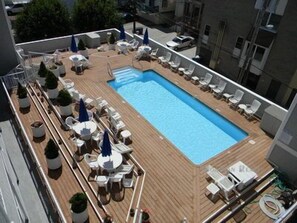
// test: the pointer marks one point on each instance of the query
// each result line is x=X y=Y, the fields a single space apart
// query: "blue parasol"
x=106 y=147
x=145 y=38
x=83 y=114
x=122 y=33
x=73 y=46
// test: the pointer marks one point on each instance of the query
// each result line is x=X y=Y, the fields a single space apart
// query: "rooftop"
x=171 y=186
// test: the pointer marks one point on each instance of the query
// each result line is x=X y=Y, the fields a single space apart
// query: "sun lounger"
x=122 y=148
x=218 y=90
x=205 y=81
x=234 y=100
x=214 y=174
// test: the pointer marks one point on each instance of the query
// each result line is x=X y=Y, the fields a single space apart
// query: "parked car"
x=15 y=8
x=180 y=42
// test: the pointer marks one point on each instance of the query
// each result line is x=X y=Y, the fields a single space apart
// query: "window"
x=271 y=21
x=207 y=30
x=164 y=4
x=252 y=81
x=273 y=89
x=238 y=47
x=206 y=34
x=259 y=53
x=239 y=43
x=152 y=3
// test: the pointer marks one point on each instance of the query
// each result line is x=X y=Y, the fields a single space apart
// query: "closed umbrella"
x=122 y=33
x=73 y=46
x=83 y=113
x=145 y=38
x=106 y=147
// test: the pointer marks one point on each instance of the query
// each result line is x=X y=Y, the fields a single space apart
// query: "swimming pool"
x=195 y=129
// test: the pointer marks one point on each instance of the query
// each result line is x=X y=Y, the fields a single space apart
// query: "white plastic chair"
x=134 y=45
x=97 y=137
x=218 y=90
x=252 y=109
x=127 y=182
x=77 y=96
x=91 y=160
x=165 y=60
x=153 y=54
x=122 y=148
x=71 y=122
x=175 y=64
x=234 y=100
x=100 y=105
x=79 y=143
x=67 y=83
x=189 y=71
x=102 y=181
x=116 y=178
x=205 y=81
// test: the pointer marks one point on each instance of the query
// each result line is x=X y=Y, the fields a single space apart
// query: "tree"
x=91 y=15
x=43 y=19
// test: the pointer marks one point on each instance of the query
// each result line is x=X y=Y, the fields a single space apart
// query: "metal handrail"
x=109 y=70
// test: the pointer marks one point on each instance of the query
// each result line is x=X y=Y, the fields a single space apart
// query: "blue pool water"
x=195 y=129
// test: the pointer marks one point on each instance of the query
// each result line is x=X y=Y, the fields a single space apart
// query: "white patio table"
x=146 y=49
x=85 y=129
x=243 y=174
x=111 y=162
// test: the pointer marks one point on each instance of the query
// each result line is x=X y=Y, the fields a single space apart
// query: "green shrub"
x=51 y=150
x=42 y=72
x=51 y=81
x=21 y=92
x=81 y=45
x=64 y=98
x=79 y=202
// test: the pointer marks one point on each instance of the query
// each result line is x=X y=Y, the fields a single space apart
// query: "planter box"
x=24 y=102
x=80 y=217
x=55 y=163
x=52 y=93
x=66 y=110
x=38 y=129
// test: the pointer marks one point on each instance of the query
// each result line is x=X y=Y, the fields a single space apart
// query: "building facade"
x=226 y=29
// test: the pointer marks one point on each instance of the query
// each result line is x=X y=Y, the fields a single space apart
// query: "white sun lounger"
x=122 y=148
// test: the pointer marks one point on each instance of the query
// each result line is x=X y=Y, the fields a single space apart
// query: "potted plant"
x=61 y=67
x=107 y=219
x=38 y=129
x=79 y=204
x=52 y=155
x=42 y=72
x=24 y=101
x=55 y=70
x=82 y=49
x=111 y=44
x=145 y=217
x=65 y=100
x=51 y=83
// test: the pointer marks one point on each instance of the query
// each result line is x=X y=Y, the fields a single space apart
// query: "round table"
x=76 y=57
x=85 y=129
x=241 y=108
x=181 y=70
x=147 y=49
x=111 y=162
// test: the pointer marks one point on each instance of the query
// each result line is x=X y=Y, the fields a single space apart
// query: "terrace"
x=170 y=186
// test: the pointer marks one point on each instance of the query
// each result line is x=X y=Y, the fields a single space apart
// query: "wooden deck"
x=174 y=187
